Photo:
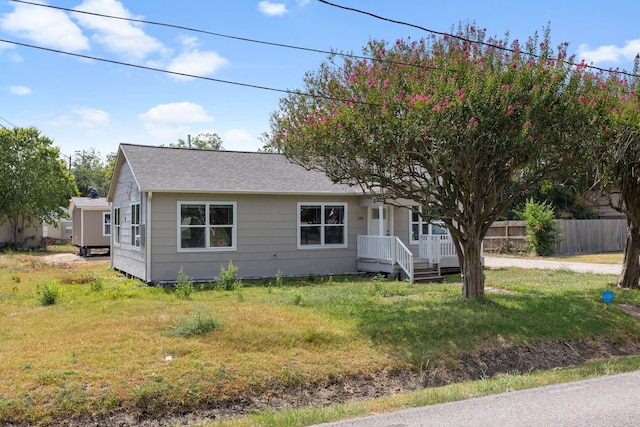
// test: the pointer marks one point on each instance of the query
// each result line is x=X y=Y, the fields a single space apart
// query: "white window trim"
x=115 y=229
x=207 y=203
x=139 y=225
x=322 y=226
x=104 y=223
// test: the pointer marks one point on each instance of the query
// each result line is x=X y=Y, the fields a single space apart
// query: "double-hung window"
x=420 y=226
x=135 y=225
x=106 y=223
x=322 y=225
x=116 y=226
x=207 y=225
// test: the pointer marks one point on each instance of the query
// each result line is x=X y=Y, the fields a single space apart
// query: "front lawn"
x=107 y=344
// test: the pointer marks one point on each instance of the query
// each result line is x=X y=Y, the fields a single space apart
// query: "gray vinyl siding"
x=266 y=239
x=88 y=228
x=125 y=257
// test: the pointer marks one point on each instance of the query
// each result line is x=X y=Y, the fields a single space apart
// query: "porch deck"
x=389 y=255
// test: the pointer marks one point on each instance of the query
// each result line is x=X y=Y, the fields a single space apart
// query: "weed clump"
x=228 y=279
x=184 y=285
x=48 y=294
x=198 y=324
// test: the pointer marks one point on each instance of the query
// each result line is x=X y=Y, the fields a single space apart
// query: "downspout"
x=147 y=238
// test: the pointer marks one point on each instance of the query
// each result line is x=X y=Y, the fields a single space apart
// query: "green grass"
x=111 y=344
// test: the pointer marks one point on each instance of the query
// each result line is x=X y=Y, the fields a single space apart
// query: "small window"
x=135 y=225
x=116 y=226
x=210 y=226
x=106 y=224
x=322 y=225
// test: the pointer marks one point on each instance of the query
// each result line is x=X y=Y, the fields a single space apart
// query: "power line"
x=2 y=118
x=144 y=67
x=326 y=52
x=211 y=33
x=440 y=33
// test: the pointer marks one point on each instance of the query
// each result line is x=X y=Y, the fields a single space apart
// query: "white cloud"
x=84 y=118
x=177 y=112
x=239 y=140
x=272 y=9
x=19 y=90
x=174 y=120
x=119 y=36
x=609 y=53
x=45 y=26
x=196 y=63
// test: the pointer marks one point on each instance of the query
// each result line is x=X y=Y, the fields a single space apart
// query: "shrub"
x=542 y=227
x=228 y=278
x=184 y=285
x=48 y=294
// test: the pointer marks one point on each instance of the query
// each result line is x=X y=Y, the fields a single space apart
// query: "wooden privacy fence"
x=579 y=236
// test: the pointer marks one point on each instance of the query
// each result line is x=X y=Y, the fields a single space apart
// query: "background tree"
x=204 y=141
x=34 y=183
x=91 y=170
x=450 y=123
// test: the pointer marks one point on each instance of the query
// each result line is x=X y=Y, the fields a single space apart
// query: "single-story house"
x=59 y=230
x=30 y=236
x=91 y=224
x=198 y=210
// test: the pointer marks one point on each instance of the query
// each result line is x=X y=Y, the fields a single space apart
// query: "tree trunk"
x=472 y=269
x=630 y=264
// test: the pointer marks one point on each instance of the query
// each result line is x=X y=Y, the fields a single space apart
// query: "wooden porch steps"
x=424 y=272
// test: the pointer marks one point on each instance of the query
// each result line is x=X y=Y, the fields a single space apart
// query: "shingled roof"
x=167 y=169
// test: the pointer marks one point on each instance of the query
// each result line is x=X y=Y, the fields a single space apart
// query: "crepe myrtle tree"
x=450 y=123
x=616 y=155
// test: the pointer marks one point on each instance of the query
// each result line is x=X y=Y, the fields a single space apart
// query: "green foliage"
x=198 y=324
x=542 y=227
x=204 y=141
x=90 y=170
x=279 y=278
x=48 y=294
x=452 y=120
x=228 y=278
x=183 y=288
x=38 y=185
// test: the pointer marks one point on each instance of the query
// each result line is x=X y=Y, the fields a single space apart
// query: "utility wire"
x=326 y=52
x=144 y=67
x=196 y=30
x=495 y=46
x=2 y=118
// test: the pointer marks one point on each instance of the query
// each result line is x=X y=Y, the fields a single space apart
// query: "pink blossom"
x=526 y=124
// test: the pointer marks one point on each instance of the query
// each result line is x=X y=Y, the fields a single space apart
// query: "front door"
x=377 y=226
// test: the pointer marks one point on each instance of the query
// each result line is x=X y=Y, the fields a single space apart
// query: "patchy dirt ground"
x=483 y=364
x=73 y=259
x=502 y=359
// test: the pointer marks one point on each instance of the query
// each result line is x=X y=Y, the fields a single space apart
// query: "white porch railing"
x=436 y=247
x=388 y=249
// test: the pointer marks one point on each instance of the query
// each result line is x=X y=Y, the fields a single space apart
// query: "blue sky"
x=83 y=104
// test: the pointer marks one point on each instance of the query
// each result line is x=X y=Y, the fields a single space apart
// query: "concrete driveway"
x=496 y=262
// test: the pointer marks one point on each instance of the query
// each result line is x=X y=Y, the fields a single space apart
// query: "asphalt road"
x=611 y=401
